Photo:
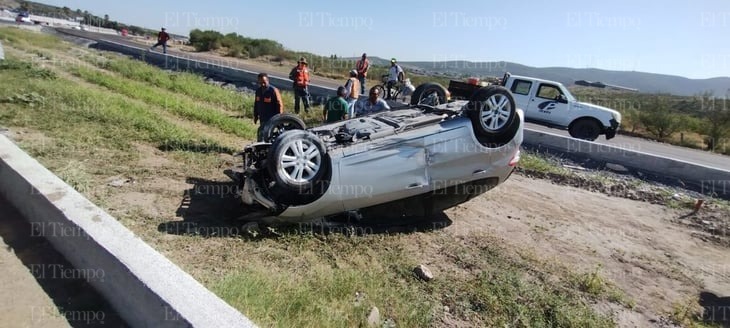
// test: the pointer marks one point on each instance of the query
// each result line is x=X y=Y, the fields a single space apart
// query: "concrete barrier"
x=143 y=286
x=708 y=180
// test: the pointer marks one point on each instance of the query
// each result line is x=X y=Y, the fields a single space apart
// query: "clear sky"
x=686 y=38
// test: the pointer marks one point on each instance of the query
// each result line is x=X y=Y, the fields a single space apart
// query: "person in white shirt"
x=395 y=75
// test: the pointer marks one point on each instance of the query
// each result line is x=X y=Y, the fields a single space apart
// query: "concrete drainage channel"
x=142 y=286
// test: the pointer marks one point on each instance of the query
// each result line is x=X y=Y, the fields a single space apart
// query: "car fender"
x=599 y=113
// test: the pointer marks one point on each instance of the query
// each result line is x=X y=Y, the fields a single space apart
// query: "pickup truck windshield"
x=568 y=95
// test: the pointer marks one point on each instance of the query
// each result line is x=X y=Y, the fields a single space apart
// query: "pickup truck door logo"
x=547 y=106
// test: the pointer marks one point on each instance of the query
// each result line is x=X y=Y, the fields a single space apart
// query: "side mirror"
x=561 y=99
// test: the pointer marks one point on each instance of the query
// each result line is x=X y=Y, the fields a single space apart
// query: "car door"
x=383 y=170
x=521 y=92
x=453 y=157
x=547 y=104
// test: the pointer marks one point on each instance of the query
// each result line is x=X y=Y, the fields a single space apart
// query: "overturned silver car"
x=415 y=160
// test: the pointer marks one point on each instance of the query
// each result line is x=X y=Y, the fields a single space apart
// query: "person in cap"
x=336 y=107
x=352 y=92
x=300 y=77
x=362 y=66
x=395 y=75
x=162 y=38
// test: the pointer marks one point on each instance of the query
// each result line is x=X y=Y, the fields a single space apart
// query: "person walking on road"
x=362 y=66
x=352 y=92
x=300 y=76
x=162 y=38
x=266 y=104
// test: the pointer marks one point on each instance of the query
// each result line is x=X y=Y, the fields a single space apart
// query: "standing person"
x=336 y=107
x=352 y=92
x=395 y=75
x=300 y=76
x=362 y=66
x=162 y=38
x=266 y=104
x=372 y=104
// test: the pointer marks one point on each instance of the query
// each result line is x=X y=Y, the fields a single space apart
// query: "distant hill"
x=644 y=82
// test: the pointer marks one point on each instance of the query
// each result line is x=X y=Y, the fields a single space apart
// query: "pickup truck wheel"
x=585 y=128
x=431 y=94
x=280 y=123
x=492 y=110
x=297 y=161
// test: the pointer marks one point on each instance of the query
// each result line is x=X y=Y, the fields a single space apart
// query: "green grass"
x=535 y=162
x=26 y=40
x=113 y=120
x=183 y=107
x=189 y=84
x=312 y=283
x=193 y=86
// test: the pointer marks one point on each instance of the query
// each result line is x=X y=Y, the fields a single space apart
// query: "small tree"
x=631 y=119
x=659 y=120
x=716 y=122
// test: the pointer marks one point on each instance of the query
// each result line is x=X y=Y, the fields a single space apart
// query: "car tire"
x=431 y=94
x=492 y=111
x=297 y=162
x=585 y=129
x=280 y=123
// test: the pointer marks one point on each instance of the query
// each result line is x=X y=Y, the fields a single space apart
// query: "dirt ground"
x=660 y=264
x=656 y=262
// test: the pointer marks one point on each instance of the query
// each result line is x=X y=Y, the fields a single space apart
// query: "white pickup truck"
x=551 y=103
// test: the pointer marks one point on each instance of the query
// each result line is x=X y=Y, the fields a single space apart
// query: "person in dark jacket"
x=162 y=38
x=267 y=103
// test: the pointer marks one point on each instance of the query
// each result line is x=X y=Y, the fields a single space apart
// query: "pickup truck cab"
x=550 y=103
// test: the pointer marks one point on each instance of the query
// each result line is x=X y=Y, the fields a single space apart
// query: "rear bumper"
x=611 y=131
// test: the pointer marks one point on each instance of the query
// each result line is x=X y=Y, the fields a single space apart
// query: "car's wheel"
x=585 y=128
x=297 y=161
x=280 y=123
x=492 y=110
x=431 y=94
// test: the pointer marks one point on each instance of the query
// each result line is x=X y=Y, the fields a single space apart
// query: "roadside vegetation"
x=105 y=117
x=701 y=121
